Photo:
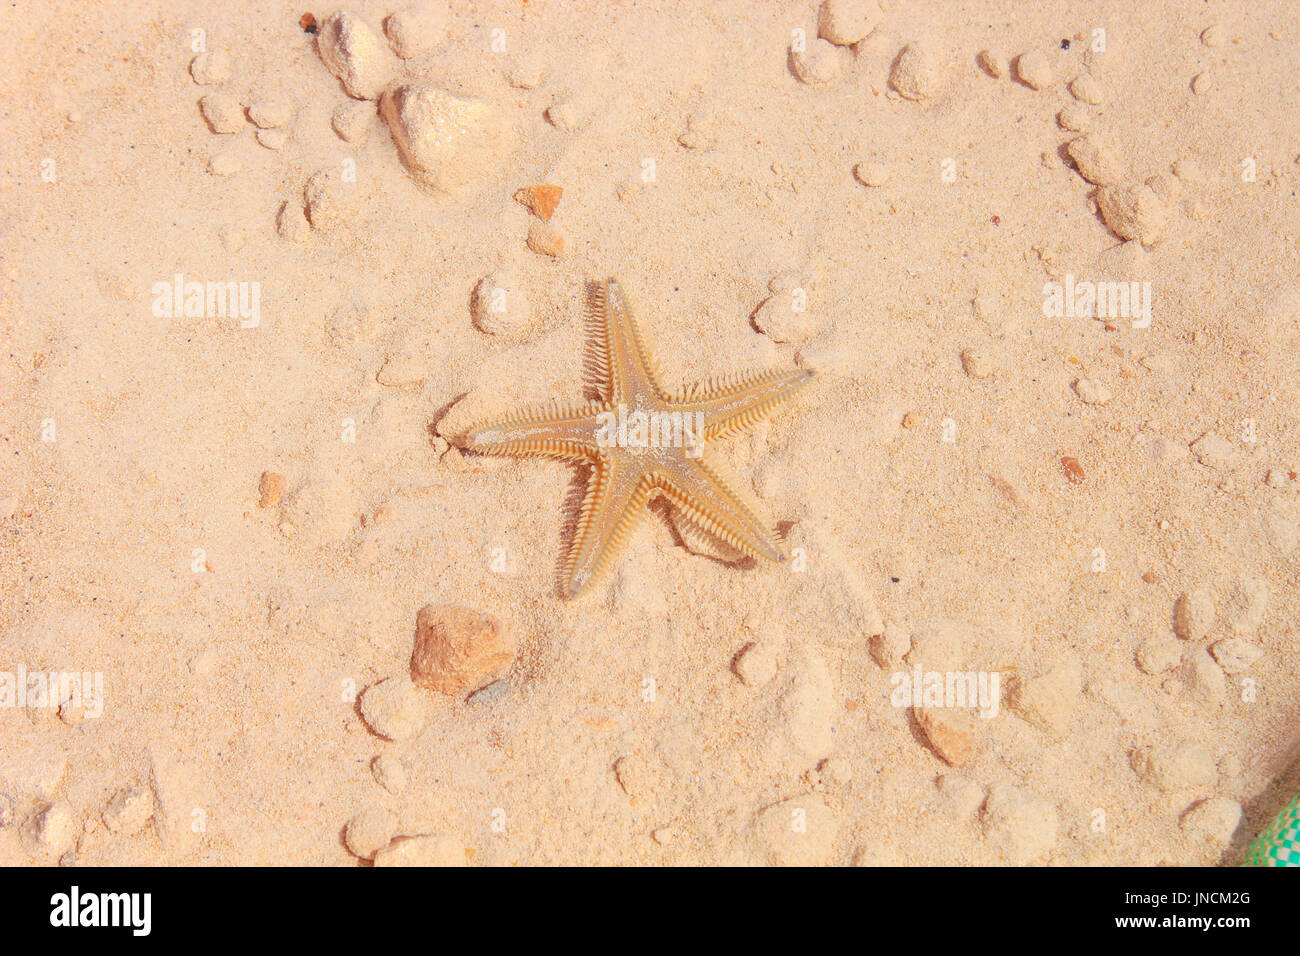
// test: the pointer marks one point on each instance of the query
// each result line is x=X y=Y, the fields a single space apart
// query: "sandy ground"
x=1138 y=602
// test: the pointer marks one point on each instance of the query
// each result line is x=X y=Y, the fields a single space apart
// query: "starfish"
x=642 y=442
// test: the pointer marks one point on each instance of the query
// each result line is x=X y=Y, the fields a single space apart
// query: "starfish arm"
x=616 y=499
x=730 y=405
x=714 y=505
x=619 y=355
x=554 y=431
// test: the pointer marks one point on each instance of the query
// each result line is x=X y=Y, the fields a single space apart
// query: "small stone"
x=291 y=222
x=272 y=138
x=370 y=831
x=352 y=121
x=389 y=773
x=223 y=112
x=797 y=832
x=662 y=835
x=425 y=850
x=225 y=164
x=1074 y=118
x=1086 y=88
x=818 y=64
x=1048 y=702
x=393 y=708
x=270 y=111
x=1034 y=70
x=1092 y=392
x=52 y=831
x=331 y=201
x=571 y=113
x=1275 y=478
x=545 y=239
x=499 y=305
x=1214 y=820
x=786 y=318
x=871 y=174
x=994 y=64
x=458 y=649
x=1095 y=161
x=354 y=54
x=950 y=733
x=890 y=647
x=212 y=68
x=1215 y=452
x=129 y=811
x=270 y=489
x=447 y=142
x=540 y=200
x=1236 y=655
x=692 y=138
x=756 y=664
x=976 y=363
x=1159 y=654
x=917 y=73
x=1194 y=614
x=1018 y=825
x=1214 y=35
x=845 y=22
x=1202 y=83
x=417 y=30
x=1134 y=211
x=1204 y=678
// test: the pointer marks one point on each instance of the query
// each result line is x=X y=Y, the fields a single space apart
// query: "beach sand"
x=1098 y=514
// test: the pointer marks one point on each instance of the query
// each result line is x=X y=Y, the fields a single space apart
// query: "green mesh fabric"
x=1279 y=844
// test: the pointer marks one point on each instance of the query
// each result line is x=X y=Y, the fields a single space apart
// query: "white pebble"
x=268 y=112
x=1236 y=655
x=871 y=174
x=417 y=30
x=394 y=708
x=447 y=142
x=500 y=306
x=1034 y=70
x=917 y=73
x=212 y=68
x=223 y=112
x=1134 y=211
x=352 y=121
x=353 y=53
x=370 y=831
x=1087 y=89
x=845 y=22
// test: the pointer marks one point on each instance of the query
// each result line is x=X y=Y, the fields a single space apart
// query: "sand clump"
x=446 y=141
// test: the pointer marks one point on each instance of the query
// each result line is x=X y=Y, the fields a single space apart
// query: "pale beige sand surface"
x=918 y=481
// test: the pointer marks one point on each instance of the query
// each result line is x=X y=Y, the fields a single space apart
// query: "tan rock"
x=458 y=649
x=447 y=142
x=950 y=733
x=426 y=849
x=355 y=54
